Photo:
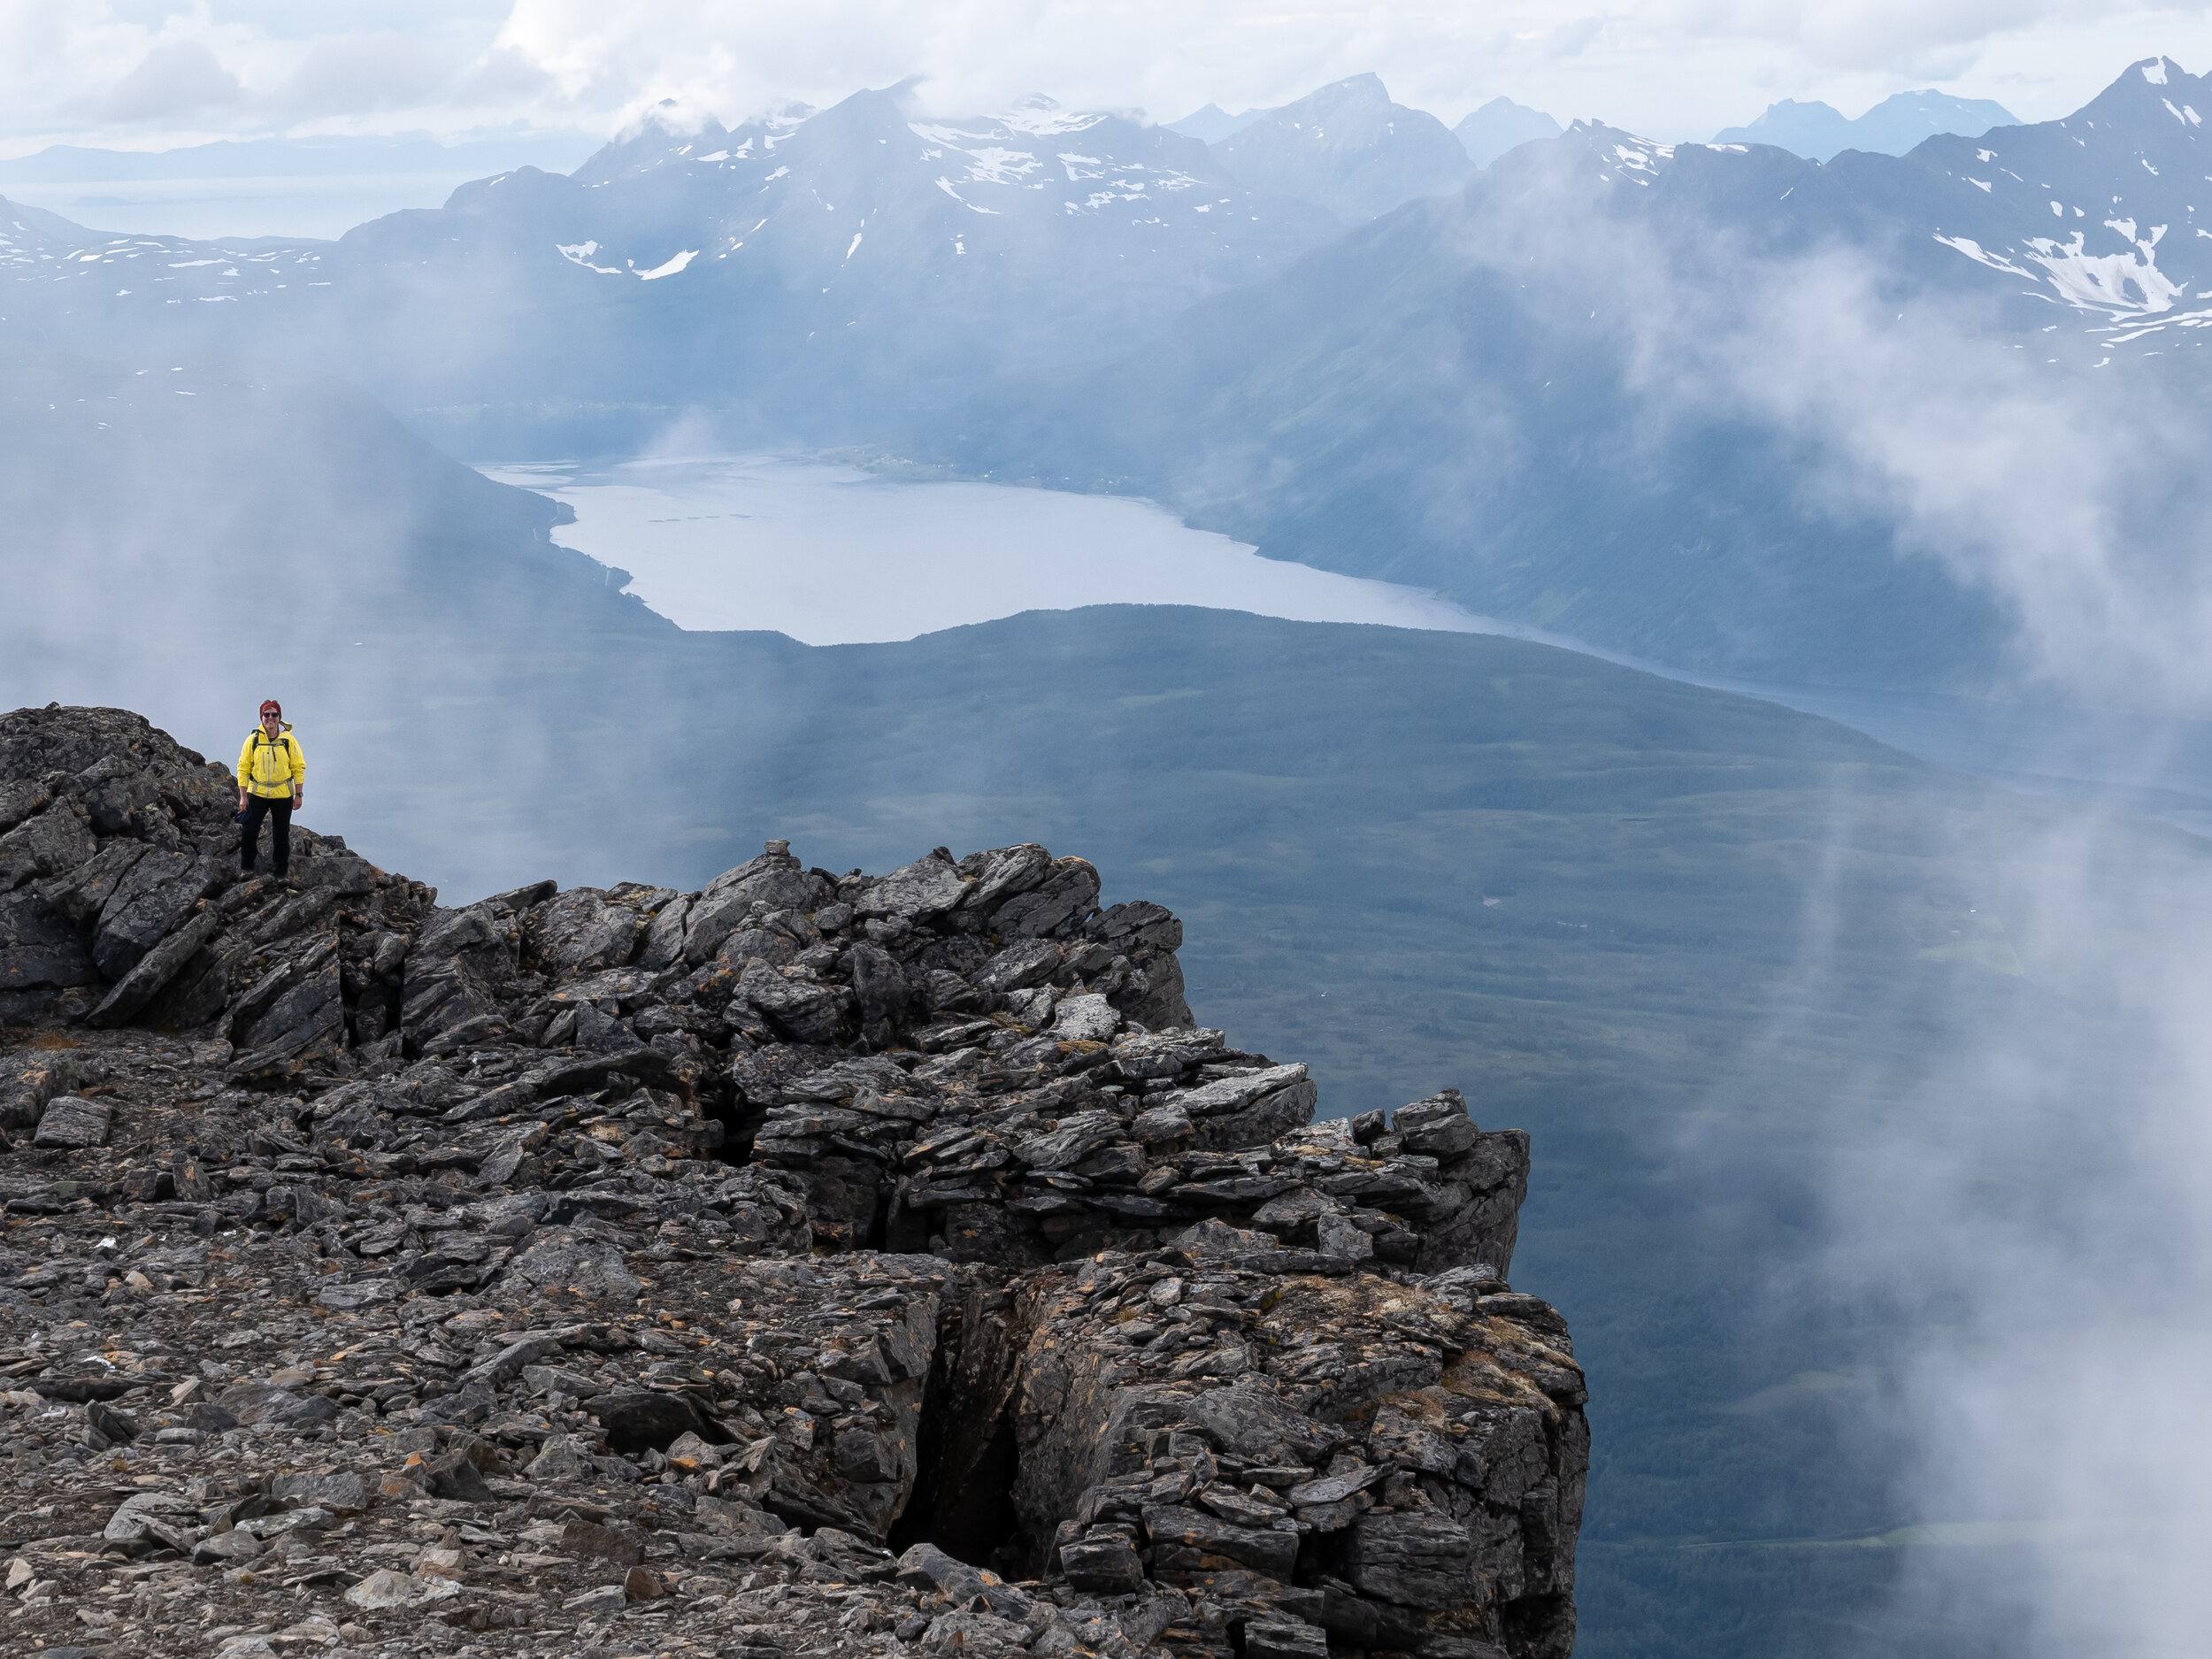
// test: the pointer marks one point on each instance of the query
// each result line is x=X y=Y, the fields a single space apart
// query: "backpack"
x=261 y=738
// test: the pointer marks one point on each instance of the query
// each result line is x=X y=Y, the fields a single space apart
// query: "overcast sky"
x=139 y=73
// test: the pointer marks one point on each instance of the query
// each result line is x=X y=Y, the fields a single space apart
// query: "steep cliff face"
x=809 y=1265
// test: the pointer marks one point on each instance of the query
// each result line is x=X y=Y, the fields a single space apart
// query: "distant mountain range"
x=1448 y=393
x=803 y=275
x=809 y=275
x=1212 y=124
x=1347 y=147
x=302 y=158
x=1818 y=131
x=1462 y=396
x=1501 y=125
x=1485 y=134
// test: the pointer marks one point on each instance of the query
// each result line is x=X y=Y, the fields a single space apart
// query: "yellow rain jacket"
x=271 y=770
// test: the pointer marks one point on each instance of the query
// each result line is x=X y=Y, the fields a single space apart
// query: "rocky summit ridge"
x=810 y=1264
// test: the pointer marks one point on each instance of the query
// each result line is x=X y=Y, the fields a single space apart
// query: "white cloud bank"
x=158 y=72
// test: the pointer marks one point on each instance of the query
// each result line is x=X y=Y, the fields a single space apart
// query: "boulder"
x=634 y=1420
x=927 y=888
x=55 y=841
x=1413 y=1558
x=69 y=1121
x=1066 y=896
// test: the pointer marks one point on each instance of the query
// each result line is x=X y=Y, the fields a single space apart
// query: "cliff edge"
x=810 y=1264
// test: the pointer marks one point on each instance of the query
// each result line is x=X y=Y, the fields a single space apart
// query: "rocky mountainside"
x=1498 y=125
x=1532 y=396
x=807 y=1265
x=1899 y=123
x=1348 y=148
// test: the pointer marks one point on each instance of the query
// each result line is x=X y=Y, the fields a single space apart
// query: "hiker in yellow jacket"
x=271 y=781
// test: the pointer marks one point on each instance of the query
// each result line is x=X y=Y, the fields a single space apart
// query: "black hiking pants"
x=279 y=813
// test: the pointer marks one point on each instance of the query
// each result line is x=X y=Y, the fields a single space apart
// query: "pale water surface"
x=831 y=555
x=324 y=208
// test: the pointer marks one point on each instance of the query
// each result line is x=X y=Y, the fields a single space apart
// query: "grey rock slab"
x=132 y=1517
x=227 y=1548
x=1157 y=1125
x=563 y=1258
x=1000 y=874
x=1336 y=1488
x=1263 y=1549
x=1139 y=923
x=53 y=843
x=804 y=1008
x=1076 y=1139
x=1438 y=1128
x=1234 y=1093
x=1252 y=1421
x=1165 y=1054
x=337 y=1493
x=1105 y=1562
x=1245 y=1510
x=1415 y=1558
x=483 y=931
x=19 y=798
x=1066 y=894
x=84 y=892
x=157 y=893
x=154 y=970
x=772 y=882
x=1022 y=965
x=73 y=1123
x=56 y=964
x=1274 y=1638
x=1336 y=1234
x=928 y=886
x=29 y=1080
x=1266 y=1119
x=580 y=932
x=636 y=1420
x=454 y=1476
x=1090 y=1017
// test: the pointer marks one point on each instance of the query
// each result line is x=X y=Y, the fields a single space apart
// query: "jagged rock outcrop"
x=807 y=1265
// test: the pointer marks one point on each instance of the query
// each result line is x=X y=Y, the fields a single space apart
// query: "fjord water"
x=323 y=208
x=830 y=554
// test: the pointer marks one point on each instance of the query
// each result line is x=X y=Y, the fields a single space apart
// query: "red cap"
x=272 y=707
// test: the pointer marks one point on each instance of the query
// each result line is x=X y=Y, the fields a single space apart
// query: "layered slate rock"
x=811 y=1263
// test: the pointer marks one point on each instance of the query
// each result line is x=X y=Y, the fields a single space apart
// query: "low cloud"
x=354 y=74
x=178 y=83
x=2026 y=1220
x=1672 y=67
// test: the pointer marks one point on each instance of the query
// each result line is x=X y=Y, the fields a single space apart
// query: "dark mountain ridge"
x=1538 y=396
x=1897 y=124
x=801 y=276
x=1347 y=147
